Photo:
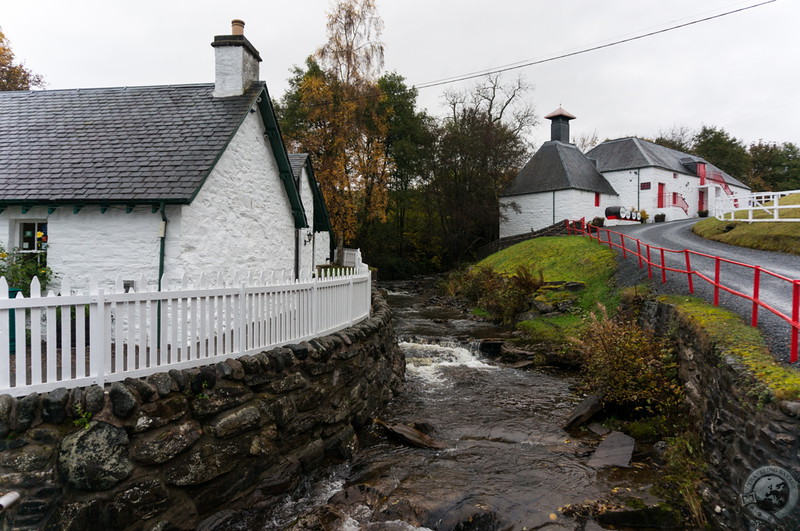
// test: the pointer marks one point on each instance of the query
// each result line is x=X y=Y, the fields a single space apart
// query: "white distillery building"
x=560 y=182
x=161 y=180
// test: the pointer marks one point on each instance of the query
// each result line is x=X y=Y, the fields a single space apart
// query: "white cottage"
x=161 y=180
x=560 y=182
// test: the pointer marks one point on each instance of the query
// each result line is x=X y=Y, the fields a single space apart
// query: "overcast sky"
x=740 y=72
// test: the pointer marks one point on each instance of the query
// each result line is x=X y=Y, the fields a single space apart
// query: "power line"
x=516 y=66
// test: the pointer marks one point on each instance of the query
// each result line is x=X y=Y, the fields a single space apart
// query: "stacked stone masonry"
x=744 y=428
x=167 y=451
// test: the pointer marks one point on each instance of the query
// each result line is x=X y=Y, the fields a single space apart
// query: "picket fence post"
x=97 y=321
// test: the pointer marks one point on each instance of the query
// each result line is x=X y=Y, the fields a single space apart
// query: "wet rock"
x=160 y=413
x=28 y=458
x=615 y=450
x=141 y=501
x=280 y=478
x=95 y=399
x=54 y=406
x=180 y=378
x=205 y=463
x=6 y=406
x=26 y=412
x=145 y=391
x=598 y=429
x=226 y=395
x=590 y=406
x=163 y=445
x=234 y=422
x=162 y=383
x=325 y=517
x=291 y=382
x=122 y=400
x=300 y=352
x=217 y=521
x=412 y=436
x=77 y=403
x=95 y=458
x=237 y=369
x=204 y=381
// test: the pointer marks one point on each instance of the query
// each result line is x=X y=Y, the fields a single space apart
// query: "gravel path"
x=678 y=236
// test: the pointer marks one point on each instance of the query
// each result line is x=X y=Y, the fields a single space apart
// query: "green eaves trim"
x=322 y=221
x=281 y=157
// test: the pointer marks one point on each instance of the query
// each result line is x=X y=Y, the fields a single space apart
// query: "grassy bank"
x=765 y=235
x=562 y=258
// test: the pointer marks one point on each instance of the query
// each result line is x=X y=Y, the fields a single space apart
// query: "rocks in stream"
x=587 y=409
x=411 y=436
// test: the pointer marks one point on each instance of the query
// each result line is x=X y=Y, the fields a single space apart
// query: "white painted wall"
x=322 y=247
x=241 y=219
x=531 y=212
x=306 y=247
x=86 y=242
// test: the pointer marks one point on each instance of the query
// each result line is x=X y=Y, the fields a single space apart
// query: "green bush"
x=502 y=296
x=20 y=268
x=636 y=372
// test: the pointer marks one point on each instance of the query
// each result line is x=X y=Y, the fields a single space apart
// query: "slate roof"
x=127 y=144
x=298 y=161
x=631 y=153
x=558 y=166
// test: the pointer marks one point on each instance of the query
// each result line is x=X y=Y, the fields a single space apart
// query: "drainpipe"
x=8 y=500
x=297 y=233
x=162 y=251
x=163 y=235
x=554 y=207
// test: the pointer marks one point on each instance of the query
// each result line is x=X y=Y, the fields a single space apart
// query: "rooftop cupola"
x=559 y=125
x=236 y=62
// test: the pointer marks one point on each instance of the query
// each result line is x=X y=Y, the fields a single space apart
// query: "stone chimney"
x=559 y=125
x=236 y=62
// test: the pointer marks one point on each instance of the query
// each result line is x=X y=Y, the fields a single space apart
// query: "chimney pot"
x=237 y=27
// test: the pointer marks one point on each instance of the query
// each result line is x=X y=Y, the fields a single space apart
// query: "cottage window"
x=33 y=236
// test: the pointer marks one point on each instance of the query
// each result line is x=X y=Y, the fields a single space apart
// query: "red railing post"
x=756 y=289
x=795 y=321
x=639 y=252
x=716 y=281
x=622 y=242
x=608 y=235
x=663 y=269
x=689 y=271
x=649 y=264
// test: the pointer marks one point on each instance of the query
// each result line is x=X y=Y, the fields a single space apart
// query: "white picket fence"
x=75 y=340
x=727 y=207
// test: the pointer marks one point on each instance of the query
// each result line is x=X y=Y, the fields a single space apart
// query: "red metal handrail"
x=596 y=233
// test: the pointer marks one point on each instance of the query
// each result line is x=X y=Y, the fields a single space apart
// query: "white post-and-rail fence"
x=727 y=207
x=79 y=340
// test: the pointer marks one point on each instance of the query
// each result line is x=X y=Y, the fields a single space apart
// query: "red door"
x=661 y=192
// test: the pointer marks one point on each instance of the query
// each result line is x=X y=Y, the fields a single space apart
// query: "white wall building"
x=145 y=181
x=560 y=182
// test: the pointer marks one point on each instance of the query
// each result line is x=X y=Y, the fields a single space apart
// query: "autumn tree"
x=15 y=76
x=332 y=110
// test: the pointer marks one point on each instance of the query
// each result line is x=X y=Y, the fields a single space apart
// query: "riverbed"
x=503 y=461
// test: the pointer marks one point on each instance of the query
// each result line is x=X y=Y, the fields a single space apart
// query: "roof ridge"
x=643 y=151
x=97 y=89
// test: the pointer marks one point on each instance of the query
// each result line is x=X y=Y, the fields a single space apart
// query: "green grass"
x=765 y=235
x=733 y=336
x=563 y=258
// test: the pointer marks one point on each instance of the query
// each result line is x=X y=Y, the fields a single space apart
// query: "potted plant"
x=643 y=216
x=702 y=213
x=660 y=217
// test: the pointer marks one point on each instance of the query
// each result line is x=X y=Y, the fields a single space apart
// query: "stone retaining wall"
x=743 y=429
x=166 y=452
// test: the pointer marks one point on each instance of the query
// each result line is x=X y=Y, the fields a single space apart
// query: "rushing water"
x=506 y=462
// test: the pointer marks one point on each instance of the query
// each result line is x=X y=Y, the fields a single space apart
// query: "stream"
x=506 y=463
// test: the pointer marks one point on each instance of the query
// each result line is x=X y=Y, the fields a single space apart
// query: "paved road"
x=678 y=236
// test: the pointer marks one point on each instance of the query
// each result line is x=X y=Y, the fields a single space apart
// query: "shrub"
x=502 y=296
x=20 y=268
x=660 y=217
x=702 y=213
x=643 y=216
x=636 y=372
